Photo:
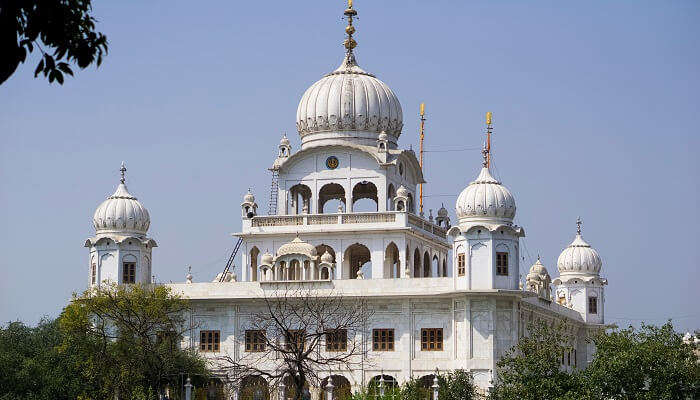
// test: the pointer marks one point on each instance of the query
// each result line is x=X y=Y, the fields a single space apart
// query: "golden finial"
x=349 y=42
x=422 y=109
x=488 y=118
x=487 y=146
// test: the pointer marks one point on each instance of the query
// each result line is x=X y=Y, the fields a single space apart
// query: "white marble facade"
x=346 y=221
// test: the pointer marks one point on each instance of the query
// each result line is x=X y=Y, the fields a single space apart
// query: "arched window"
x=129 y=269
x=444 y=267
x=341 y=387
x=410 y=207
x=390 y=194
x=332 y=195
x=392 y=261
x=416 y=264
x=325 y=273
x=300 y=199
x=254 y=252
x=436 y=266
x=323 y=248
x=426 y=265
x=365 y=190
x=254 y=387
x=356 y=256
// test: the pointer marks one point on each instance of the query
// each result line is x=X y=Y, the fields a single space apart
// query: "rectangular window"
x=431 y=339
x=383 y=339
x=337 y=340
x=295 y=337
x=593 y=305
x=461 y=264
x=129 y=272
x=209 y=341
x=254 y=341
x=93 y=274
x=502 y=263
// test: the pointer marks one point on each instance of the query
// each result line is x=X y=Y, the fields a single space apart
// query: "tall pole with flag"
x=422 y=136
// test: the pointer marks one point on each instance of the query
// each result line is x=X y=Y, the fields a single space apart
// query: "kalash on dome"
x=442 y=296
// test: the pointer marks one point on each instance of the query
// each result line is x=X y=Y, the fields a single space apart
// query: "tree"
x=456 y=385
x=128 y=339
x=32 y=365
x=646 y=363
x=64 y=27
x=298 y=335
x=532 y=370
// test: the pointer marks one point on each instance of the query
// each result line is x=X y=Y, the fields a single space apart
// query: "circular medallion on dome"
x=332 y=162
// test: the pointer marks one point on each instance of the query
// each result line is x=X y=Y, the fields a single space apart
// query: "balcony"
x=367 y=221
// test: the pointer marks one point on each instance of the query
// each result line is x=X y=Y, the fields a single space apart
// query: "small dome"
x=579 y=258
x=402 y=191
x=350 y=103
x=442 y=212
x=266 y=259
x=249 y=198
x=284 y=141
x=297 y=246
x=121 y=213
x=538 y=272
x=486 y=198
x=383 y=136
x=327 y=257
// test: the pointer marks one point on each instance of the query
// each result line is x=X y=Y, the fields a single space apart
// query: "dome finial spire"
x=122 y=170
x=578 y=225
x=349 y=42
x=487 y=146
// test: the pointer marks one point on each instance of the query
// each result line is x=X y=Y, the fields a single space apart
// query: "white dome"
x=297 y=246
x=327 y=257
x=121 y=213
x=284 y=141
x=538 y=272
x=579 y=258
x=352 y=104
x=486 y=198
x=249 y=198
x=266 y=259
x=402 y=192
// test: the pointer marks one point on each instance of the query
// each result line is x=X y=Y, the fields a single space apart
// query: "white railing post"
x=436 y=386
x=188 y=389
x=329 y=389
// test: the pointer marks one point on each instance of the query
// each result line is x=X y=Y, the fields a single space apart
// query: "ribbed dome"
x=485 y=198
x=351 y=103
x=538 y=272
x=121 y=213
x=579 y=258
x=297 y=246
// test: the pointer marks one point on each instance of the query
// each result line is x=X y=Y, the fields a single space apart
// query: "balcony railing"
x=392 y=218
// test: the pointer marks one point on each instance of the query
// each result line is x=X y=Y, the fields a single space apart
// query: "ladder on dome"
x=229 y=263
x=274 y=190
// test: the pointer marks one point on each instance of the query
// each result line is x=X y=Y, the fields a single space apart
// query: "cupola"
x=121 y=213
x=579 y=258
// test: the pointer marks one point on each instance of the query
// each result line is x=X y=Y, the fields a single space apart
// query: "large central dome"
x=349 y=103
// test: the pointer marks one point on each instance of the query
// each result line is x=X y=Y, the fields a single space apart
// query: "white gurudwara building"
x=457 y=285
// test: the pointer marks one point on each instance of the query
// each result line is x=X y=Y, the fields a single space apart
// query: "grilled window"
x=129 y=272
x=593 y=305
x=93 y=274
x=209 y=341
x=502 y=263
x=254 y=340
x=383 y=339
x=295 y=340
x=461 y=264
x=431 y=339
x=337 y=340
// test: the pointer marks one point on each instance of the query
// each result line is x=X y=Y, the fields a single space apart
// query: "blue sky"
x=596 y=113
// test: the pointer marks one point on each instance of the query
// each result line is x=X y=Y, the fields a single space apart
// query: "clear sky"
x=596 y=113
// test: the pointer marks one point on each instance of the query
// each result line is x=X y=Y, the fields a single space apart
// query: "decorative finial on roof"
x=349 y=42
x=578 y=225
x=123 y=170
x=487 y=145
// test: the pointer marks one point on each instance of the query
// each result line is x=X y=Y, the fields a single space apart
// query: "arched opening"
x=436 y=266
x=299 y=199
x=254 y=252
x=254 y=387
x=321 y=249
x=392 y=261
x=390 y=194
x=426 y=383
x=356 y=257
x=308 y=273
x=341 y=388
x=390 y=384
x=444 y=267
x=330 y=197
x=294 y=272
x=325 y=273
x=290 y=389
x=281 y=270
x=426 y=265
x=364 y=197
x=416 y=264
x=410 y=207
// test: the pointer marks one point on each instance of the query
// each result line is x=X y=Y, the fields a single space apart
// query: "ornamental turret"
x=120 y=251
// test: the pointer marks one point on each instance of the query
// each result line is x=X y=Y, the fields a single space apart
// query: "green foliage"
x=64 y=27
x=532 y=369
x=128 y=340
x=33 y=367
x=649 y=363
x=414 y=390
x=456 y=385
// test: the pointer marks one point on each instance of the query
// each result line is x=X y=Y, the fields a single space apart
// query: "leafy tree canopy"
x=62 y=30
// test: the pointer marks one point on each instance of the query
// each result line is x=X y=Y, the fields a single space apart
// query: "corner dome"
x=297 y=246
x=538 y=272
x=121 y=213
x=485 y=198
x=579 y=258
x=349 y=104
